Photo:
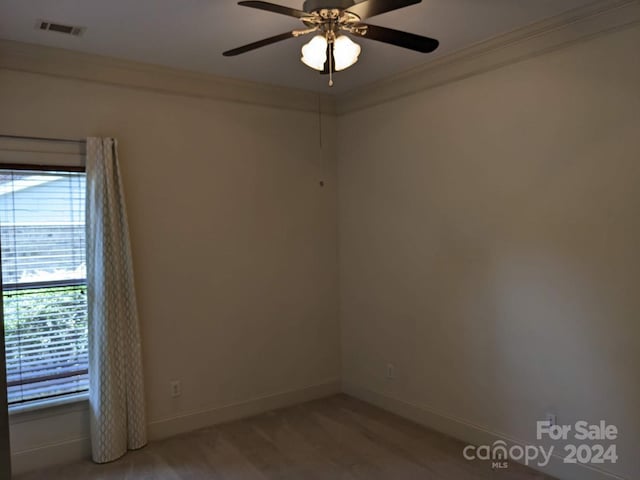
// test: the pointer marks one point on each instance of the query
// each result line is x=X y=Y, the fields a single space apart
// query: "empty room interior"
x=321 y=239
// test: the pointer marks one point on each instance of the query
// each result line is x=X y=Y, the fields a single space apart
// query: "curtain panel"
x=116 y=392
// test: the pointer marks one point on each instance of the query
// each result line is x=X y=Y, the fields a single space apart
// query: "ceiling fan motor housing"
x=313 y=5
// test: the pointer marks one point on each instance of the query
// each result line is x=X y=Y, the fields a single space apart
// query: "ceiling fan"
x=330 y=50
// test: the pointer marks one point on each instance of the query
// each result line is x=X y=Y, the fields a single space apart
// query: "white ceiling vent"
x=60 y=28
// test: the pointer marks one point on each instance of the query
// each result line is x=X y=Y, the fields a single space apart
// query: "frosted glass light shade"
x=314 y=53
x=345 y=52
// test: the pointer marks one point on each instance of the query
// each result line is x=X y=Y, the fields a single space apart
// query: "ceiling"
x=192 y=34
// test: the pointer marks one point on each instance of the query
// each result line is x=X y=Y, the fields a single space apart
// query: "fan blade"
x=270 y=7
x=258 y=44
x=369 y=8
x=400 y=39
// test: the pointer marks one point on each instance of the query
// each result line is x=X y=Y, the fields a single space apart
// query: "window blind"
x=42 y=235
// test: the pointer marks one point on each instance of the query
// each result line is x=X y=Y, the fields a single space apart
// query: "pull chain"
x=320 y=143
x=331 y=65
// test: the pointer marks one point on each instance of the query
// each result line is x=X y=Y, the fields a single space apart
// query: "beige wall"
x=490 y=245
x=234 y=240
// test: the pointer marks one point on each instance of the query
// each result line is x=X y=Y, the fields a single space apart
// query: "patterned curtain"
x=116 y=394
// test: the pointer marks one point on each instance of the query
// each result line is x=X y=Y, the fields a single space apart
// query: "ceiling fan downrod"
x=315 y=5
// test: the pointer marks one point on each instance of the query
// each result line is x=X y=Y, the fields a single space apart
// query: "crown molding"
x=576 y=25
x=56 y=62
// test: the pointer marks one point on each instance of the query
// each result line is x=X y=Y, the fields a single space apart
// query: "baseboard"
x=43 y=456
x=76 y=449
x=468 y=432
x=187 y=422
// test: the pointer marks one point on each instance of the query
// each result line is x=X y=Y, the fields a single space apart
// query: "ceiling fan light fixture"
x=314 y=53
x=329 y=51
x=345 y=52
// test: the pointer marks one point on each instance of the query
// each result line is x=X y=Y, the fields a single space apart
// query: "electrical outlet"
x=175 y=388
x=391 y=371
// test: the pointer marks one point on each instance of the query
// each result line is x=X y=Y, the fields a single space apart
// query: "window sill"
x=48 y=403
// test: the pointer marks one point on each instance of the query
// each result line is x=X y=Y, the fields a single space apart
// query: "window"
x=42 y=236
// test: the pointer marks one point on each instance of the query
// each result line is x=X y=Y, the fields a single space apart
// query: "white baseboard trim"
x=43 y=456
x=468 y=432
x=187 y=422
x=76 y=449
